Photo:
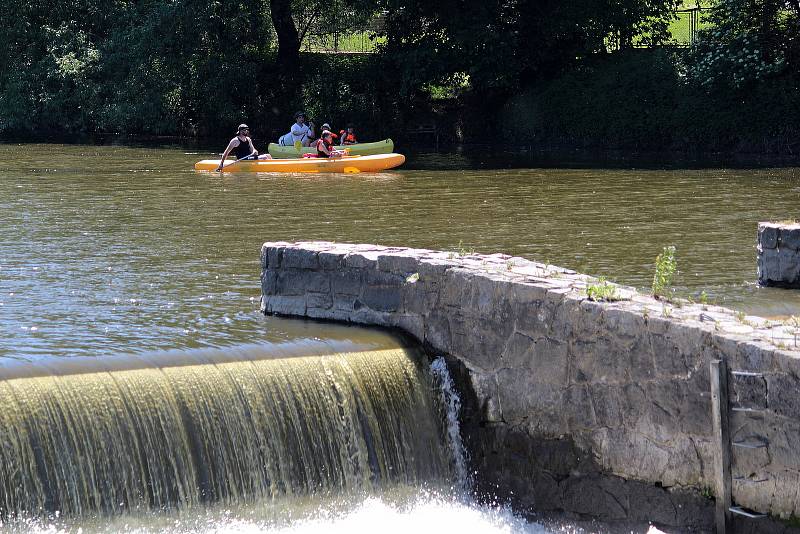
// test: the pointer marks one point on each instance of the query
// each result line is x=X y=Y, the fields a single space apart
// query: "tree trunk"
x=288 y=40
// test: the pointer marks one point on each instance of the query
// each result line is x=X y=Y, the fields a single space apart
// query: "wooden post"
x=722 y=439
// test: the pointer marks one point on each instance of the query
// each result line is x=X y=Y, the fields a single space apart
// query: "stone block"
x=545 y=357
x=748 y=391
x=437 y=330
x=359 y=261
x=783 y=395
x=300 y=282
x=285 y=305
x=789 y=238
x=769 y=266
x=319 y=300
x=607 y=404
x=398 y=264
x=269 y=282
x=274 y=255
x=330 y=261
x=346 y=282
x=596 y=495
x=411 y=323
x=577 y=408
x=767 y=236
x=381 y=298
x=296 y=258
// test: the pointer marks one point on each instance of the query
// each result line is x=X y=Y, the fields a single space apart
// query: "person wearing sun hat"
x=241 y=145
x=325 y=126
x=300 y=132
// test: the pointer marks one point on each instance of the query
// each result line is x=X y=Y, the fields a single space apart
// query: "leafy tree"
x=749 y=41
x=500 y=45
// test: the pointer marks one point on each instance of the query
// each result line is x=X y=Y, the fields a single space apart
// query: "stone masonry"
x=591 y=408
x=779 y=254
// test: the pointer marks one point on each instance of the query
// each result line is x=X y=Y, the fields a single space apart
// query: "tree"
x=747 y=42
x=500 y=45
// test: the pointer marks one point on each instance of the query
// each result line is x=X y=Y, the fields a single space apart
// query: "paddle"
x=221 y=167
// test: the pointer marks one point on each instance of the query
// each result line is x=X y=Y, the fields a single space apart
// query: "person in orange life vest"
x=243 y=147
x=324 y=146
x=349 y=136
x=327 y=126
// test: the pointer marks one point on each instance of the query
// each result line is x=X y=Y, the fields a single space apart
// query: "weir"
x=162 y=432
x=601 y=409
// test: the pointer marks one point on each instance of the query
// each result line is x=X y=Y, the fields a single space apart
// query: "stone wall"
x=599 y=408
x=779 y=254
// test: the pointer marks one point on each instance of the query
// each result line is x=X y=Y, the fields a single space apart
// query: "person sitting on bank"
x=324 y=146
x=242 y=147
x=302 y=132
x=349 y=136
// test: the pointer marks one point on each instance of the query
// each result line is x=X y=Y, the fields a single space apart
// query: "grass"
x=349 y=43
x=602 y=291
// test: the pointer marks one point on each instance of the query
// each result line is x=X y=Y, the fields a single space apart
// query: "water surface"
x=116 y=249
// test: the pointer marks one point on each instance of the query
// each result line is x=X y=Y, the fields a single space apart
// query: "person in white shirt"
x=302 y=132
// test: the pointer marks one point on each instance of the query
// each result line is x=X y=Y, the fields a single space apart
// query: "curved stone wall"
x=600 y=408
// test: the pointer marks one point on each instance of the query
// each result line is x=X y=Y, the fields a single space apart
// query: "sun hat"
x=326 y=126
x=299 y=114
x=242 y=126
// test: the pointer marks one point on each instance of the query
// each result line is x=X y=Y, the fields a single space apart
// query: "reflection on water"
x=400 y=510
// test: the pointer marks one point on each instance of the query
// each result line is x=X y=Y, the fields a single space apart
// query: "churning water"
x=199 y=441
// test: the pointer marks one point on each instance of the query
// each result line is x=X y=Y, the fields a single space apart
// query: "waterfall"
x=149 y=436
x=449 y=399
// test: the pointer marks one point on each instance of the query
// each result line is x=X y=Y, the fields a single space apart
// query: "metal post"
x=722 y=438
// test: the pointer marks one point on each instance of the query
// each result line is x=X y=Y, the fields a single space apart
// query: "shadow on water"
x=472 y=156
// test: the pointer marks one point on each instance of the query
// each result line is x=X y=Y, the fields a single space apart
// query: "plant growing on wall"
x=666 y=267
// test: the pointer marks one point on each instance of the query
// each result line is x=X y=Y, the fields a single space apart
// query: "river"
x=109 y=250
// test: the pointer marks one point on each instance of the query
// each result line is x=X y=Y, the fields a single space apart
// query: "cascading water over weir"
x=105 y=436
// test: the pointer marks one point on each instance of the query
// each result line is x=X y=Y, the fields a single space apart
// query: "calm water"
x=108 y=250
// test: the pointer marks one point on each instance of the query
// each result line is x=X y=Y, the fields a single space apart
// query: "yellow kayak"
x=346 y=164
x=359 y=149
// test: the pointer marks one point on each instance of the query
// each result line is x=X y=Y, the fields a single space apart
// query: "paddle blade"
x=298 y=146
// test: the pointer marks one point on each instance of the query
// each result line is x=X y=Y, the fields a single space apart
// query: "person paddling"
x=300 y=132
x=241 y=145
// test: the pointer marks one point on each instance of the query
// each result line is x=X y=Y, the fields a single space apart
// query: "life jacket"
x=320 y=153
x=243 y=150
x=348 y=138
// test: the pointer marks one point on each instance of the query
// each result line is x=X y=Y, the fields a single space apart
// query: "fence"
x=683 y=30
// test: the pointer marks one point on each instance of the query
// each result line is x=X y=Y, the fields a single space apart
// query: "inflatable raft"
x=347 y=164
x=359 y=149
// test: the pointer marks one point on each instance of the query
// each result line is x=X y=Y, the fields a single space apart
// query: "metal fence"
x=362 y=40
x=683 y=29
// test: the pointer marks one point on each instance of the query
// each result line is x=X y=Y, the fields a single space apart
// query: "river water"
x=109 y=250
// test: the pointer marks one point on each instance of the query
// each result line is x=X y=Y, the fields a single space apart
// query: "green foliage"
x=666 y=267
x=499 y=45
x=602 y=290
x=747 y=42
x=640 y=99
